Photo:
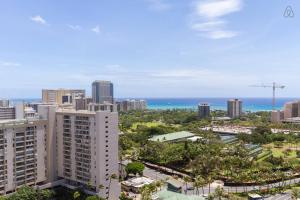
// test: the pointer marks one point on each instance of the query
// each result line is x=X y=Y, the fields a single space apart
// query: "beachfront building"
x=234 y=108
x=128 y=105
x=203 y=111
x=277 y=116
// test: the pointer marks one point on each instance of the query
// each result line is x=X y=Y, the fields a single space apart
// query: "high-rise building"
x=60 y=96
x=4 y=103
x=203 y=110
x=55 y=144
x=22 y=154
x=234 y=108
x=277 y=116
x=102 y=92
x=88 y=146
x=7 y=113
x=291 y=109
x=128 y=105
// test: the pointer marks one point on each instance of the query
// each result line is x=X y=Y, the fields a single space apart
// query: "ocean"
x=249 y=104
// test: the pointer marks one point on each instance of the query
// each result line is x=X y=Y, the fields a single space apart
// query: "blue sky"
x=150 y=48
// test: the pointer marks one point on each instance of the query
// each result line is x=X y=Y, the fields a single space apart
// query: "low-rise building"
x=175 y=137
x=135 y=184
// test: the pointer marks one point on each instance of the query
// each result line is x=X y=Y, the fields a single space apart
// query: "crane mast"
x=274 y=86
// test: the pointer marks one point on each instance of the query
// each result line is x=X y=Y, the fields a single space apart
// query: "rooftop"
x=138 y=182
x=172 y=136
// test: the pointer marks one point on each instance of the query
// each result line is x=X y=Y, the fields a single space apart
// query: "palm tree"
x=112 y=177
x=219 y=193
x=295 y=193
x=159 y=184
x=76 y=195
x=209 y=180
x=199 y=182
x=145 y=193
x=186 y=180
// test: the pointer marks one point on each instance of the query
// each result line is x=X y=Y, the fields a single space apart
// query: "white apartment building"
x=87 y=149
x=22 y=154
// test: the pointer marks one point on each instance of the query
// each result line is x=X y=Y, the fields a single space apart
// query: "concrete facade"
x=22 y=154
x=102 y=92
x=59 y=96
x=203 y=111
x=234 y=108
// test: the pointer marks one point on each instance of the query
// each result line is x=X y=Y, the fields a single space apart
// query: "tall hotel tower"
x=234 y=108
x=102 y=92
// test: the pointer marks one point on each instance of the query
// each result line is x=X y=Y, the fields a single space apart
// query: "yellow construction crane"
x=274 y=86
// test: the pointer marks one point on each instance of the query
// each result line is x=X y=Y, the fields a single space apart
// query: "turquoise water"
x=249 y=104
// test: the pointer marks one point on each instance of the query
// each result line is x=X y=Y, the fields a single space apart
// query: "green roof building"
x=173 y=137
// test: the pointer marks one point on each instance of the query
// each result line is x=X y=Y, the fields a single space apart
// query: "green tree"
x=219 y=193
x=295 y=193
x=24 y=193
x=124 y=197
x=135 y=168
x=93 y=198
x=76 y=195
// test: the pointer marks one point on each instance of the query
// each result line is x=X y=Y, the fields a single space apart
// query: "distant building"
x=277 y=116
x=176 y=137
x=127 y=105
x=60 y=96
x=4 y=103
x=234 y=108
x=82 y=103
x=203 y=111
x=291 y=109
x=7 y=113
x=102 y=92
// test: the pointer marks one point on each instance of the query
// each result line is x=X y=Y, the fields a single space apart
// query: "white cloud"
x=206 y=18
x=217 y=8
x=38 y=19
x=74 y=27
x=10 y=64
x=208 y=26
x=96 y=29
x=221 y=34
x=158 y=5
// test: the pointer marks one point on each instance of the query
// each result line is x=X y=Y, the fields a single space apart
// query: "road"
x=156 y=175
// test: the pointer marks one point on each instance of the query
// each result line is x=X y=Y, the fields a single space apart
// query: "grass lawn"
x=279 y=151
x=148 y=124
